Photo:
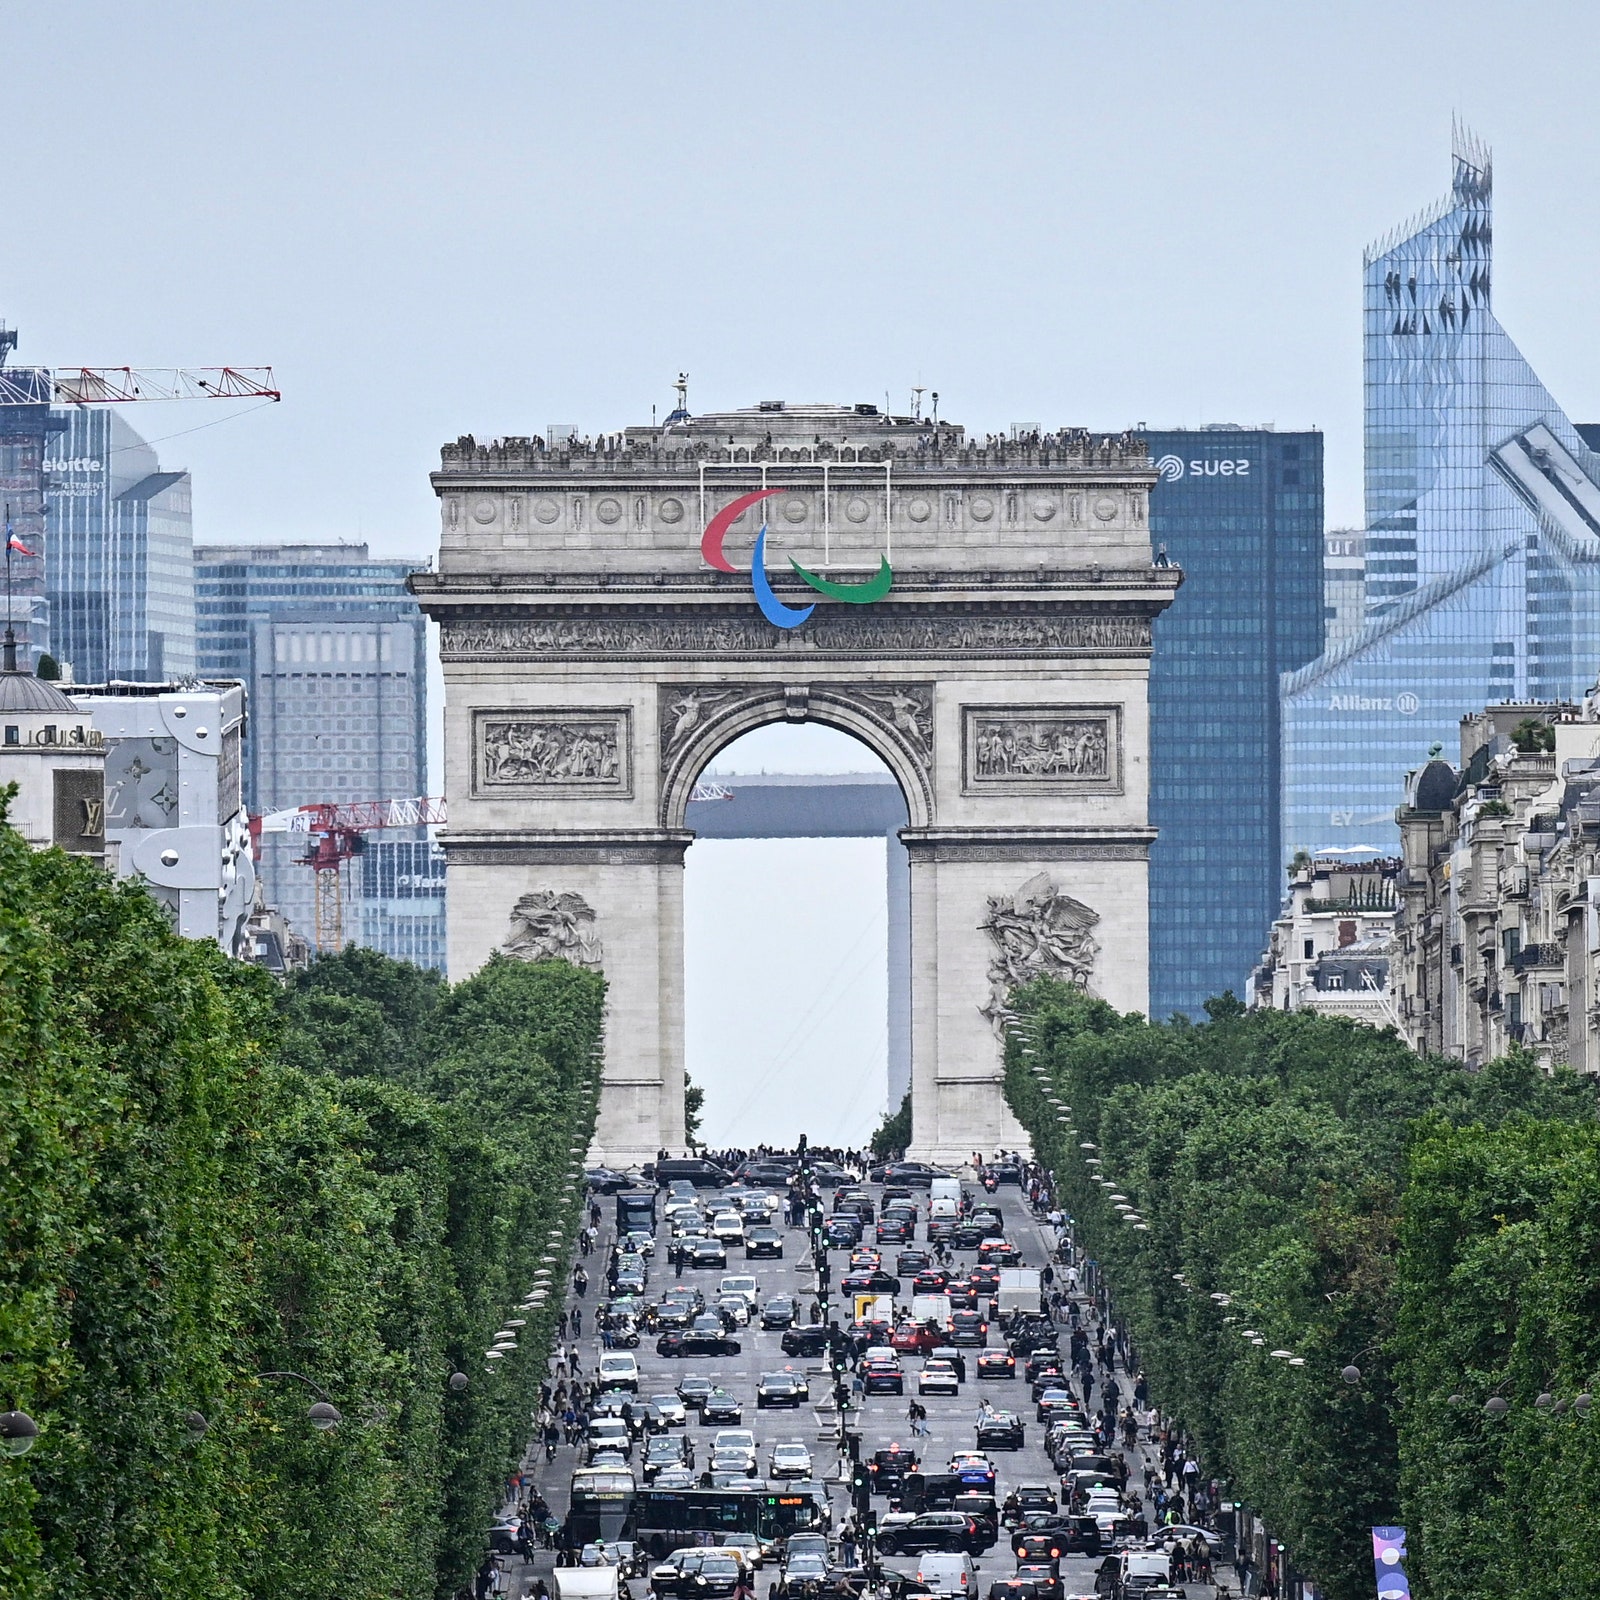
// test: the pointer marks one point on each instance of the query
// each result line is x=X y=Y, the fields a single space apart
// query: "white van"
x=1141 y=1568
x=618 y=1370
x=953 y=1577
x=740 y=1283
x=944 y=1197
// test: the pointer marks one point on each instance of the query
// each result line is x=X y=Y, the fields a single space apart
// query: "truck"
x=586 y=1583
x=934 y=1308
x=1019 y=1290
x=636 y=1211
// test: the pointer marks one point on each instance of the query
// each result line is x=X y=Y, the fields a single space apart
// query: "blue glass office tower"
x=332 y=649
x=1483 y=534
x=1240 y=510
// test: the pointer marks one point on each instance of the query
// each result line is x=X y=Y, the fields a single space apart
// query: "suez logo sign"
x=772 y=608
x=1405 y=702
x=1172 y=468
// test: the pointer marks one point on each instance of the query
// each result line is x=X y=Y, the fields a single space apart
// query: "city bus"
x=670 y=1519
x=600 y=1504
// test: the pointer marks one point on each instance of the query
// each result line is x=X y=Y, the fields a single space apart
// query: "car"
x=789 y=1461
x=677 y=1478
x=974 y=1469
x=1000 y=1430
x=912 y=1174
x=1038 y=1360
x=895 y=1230
x=638 y=1244
x=759 y=1242
x=999 y=1253
x=618 y=1369
x=779 y=1312
x=865 y=1259
x=706 y=1253
x=1056 y=1403
x=910 y=1262
x=609 y=1434
x=877 y=1282
x=674 y=1312
x=728 y=1226
x=784 y=1388
x=1014 y=1588
x=697 y=1342
x=968 y=1328
x=693 y=1389
x=1045 y=1576
x=1049 y=1376
x=1186 y=1531
x=956 y=1358
x=702 y=1174
x=997 y=1364
x=630 y=1280
x=811 y=1340
x=882 y=1377
x=741 y=1283
x=930 y=1280
x=1007 y=1169
x=691 y=1574
x=720 y=1407
x=985 y=1279
x=734 y=1461
x=938 y=1377
x=949 y=1576
x=889 y=1468
x=936 y=1530
x=765 y=1172
x=1034 y=1499
x=841 y=1231
x=913 y=1338
x=804 y=1568
x=671 y=1409
x=1048 y=1535
x=856 y=1201
x=607 y=1180
x=665 y=1452
x=870 y=1333
x=734 y=1310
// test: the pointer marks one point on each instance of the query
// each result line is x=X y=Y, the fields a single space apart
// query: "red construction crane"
x=336 y=833
x=109 y=386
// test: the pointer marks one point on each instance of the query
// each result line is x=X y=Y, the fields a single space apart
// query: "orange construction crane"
x=337 y=833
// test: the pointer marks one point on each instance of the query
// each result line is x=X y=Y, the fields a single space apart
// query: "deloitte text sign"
x=1172 y=468
x=772 y=608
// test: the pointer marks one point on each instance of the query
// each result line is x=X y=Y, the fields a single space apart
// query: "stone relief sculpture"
x=521 y=751
x=1039 y=747
x=551 y=926
x=699 y=637
x=908 y=709
x=684 y=710
x=1038 y=932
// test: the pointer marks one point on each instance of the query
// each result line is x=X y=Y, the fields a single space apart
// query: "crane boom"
x=103 y=386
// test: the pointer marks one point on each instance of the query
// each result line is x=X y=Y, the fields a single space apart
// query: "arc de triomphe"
x=595 y=663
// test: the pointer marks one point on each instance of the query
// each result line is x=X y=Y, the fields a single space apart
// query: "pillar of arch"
x=594 y=666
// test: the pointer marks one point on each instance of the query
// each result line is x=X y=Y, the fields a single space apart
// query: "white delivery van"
x=944 y=1197
x=586 y=1583
x=1019 y=1290
x=934 y=1308
x=618 y=1371
x=951 y=1577
x=740 y=1283
x=1139 y=1569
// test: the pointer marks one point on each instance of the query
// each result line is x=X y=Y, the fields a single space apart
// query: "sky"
x=485 y=217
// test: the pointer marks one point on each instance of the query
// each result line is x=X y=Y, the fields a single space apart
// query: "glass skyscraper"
x=1482 y=539
x=1240 y=510
x=119 y=556
x=332 y=649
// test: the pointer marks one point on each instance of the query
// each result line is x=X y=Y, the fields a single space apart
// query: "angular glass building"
x=1240 y=510
x=1482 y=540
x=119 y=553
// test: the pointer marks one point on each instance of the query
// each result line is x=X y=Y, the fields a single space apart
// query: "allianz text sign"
x=1406 y=703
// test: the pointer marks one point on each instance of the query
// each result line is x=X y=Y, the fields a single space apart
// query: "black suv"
x=1048 y=1536
x=702 y=1174
x=937 y=1530
x=781 y=1389
x=1000 y=1430
x=811 y=1340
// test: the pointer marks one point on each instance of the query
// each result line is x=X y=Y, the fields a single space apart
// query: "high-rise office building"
x=119 y=556
x=26 y=423
x=333 y=652
x=1240 y=510
x=1482 y=540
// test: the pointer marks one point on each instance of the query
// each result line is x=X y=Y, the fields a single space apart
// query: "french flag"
x=14 y=543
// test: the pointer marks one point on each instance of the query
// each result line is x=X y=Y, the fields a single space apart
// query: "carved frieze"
x=551 y=926
x=1038 y=932
x=551 y=751
x=1041 y=749
x=951 y=633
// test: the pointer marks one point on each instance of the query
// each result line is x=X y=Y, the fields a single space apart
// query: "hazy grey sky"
x=435 y=219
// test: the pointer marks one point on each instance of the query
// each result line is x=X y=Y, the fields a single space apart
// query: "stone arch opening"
x=895 y=722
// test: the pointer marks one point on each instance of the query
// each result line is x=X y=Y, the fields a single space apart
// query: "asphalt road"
x=882 y=1420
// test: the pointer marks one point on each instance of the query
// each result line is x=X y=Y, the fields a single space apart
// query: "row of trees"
x=213 y=1189
x=1340 y=1253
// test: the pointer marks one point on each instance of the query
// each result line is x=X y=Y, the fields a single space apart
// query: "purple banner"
x=1388 y=1556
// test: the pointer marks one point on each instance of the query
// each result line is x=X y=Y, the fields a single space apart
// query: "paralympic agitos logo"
x=772 y=608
